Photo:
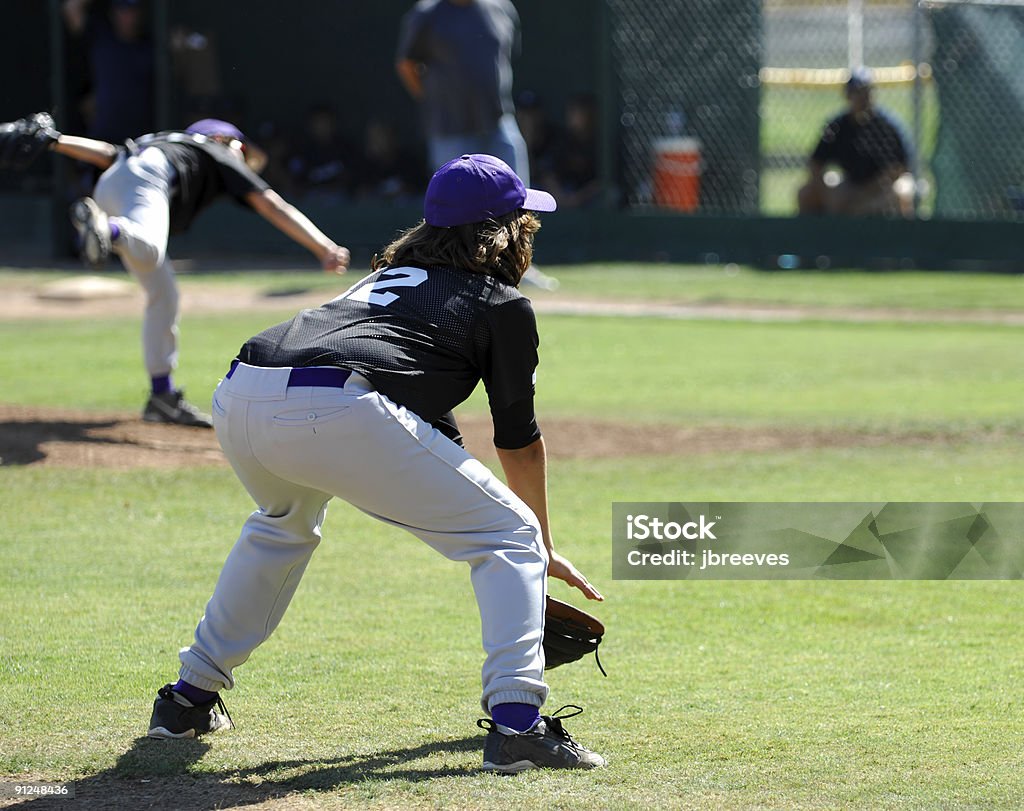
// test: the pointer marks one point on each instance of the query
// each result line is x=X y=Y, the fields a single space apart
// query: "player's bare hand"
x=336 y=260
x=563 y=569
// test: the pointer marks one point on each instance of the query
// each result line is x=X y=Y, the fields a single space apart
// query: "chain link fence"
x=721 y=103
x=713 y=106
x=687 y=78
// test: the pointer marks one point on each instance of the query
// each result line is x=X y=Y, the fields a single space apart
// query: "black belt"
x=320 y=376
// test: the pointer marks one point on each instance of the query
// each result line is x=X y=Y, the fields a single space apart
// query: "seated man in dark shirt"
x=869 y=147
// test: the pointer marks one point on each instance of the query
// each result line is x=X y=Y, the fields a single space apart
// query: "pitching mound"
x=86 y=288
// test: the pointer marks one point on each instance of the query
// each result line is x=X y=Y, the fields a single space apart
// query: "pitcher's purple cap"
x=475 y=188
x=214 y=126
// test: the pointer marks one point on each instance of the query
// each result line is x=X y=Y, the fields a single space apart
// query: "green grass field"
x=859 y=695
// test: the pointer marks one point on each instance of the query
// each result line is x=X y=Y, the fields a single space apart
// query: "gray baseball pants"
x=505 y=141
x=296 y=447
x=135 y=194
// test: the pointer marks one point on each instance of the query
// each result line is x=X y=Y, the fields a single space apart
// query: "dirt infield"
x=32 y=301
x=122 y=441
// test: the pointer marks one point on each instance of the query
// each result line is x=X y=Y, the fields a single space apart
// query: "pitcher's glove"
x=570 y=634
x=24 y=140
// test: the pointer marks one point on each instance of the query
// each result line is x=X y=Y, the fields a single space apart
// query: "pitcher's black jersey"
x=205 y=170
x=424 y=337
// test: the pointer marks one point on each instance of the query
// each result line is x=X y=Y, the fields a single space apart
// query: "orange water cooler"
x=677 y=171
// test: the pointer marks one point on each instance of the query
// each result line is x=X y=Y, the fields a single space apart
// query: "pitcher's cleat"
x=172 y=407
x=90 y=221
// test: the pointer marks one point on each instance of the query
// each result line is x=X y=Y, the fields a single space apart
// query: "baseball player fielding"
x=354 y=400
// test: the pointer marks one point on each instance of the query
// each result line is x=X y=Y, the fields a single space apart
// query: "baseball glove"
x=570 y=634
x=24 y=140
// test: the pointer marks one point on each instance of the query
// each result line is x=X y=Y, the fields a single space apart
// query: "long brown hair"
x=500 y=247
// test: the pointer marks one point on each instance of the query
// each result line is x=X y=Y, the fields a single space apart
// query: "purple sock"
x=115 y=231
x=193 y=694
x=519 y=717
x=161 y=384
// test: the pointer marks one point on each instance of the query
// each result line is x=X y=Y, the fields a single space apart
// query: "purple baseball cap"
x=214 y=126
x=475 y=188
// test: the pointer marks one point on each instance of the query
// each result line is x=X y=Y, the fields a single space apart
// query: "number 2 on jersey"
x=395 y=277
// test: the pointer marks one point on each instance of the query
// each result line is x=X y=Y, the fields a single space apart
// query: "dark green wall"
x=24 y=72
x=24 y=57
x=279 y=58
x=235 y=235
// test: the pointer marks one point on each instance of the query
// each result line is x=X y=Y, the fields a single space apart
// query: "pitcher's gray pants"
x=294 y=448
x=135 y=194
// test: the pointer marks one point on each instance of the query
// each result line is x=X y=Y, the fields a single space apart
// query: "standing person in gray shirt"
x=455 y=58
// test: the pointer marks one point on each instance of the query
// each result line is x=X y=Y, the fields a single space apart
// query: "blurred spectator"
x=573 y=179
x=322 y=163
x=538 y=132
x=385 y=170
x=277 y=147
x=197 y=74
x=870 y=148
x=121 y=63
x=455 y=58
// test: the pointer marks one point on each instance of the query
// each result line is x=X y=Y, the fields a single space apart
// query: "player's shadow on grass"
x=21 y=441
x=392 y=764
x=158 y=774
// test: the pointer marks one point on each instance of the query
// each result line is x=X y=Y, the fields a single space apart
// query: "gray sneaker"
x=90 y=221
x=546 y=745
x=172 y=407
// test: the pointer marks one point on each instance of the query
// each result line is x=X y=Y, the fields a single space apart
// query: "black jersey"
x=863 y=150
x=424 y=337
x=206 y=169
